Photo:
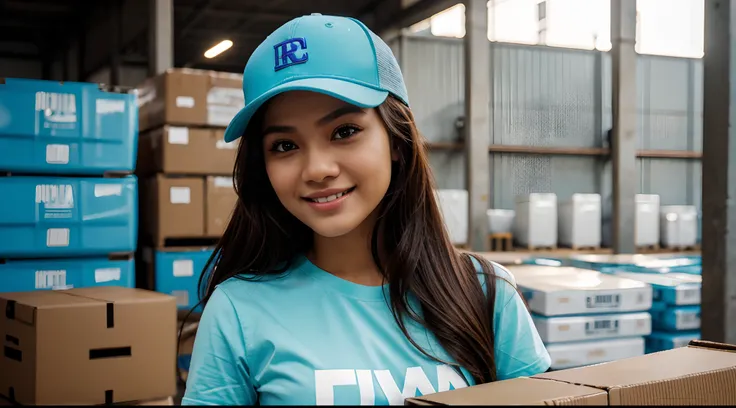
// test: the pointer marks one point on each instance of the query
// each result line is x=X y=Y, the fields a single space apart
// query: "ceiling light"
x=218 y=49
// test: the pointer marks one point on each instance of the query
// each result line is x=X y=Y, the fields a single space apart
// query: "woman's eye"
x=345 y=132
x=282 y=146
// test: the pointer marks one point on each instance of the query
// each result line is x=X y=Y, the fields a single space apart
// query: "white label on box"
x=222 y=145
x=180 y=195
x=107 y=106
x=178 y=135
x=603 y=301
x=57 y=154
x=223 y=104
x=182 y=297
x=184 y=102
x=57 y=237
x=223 y=182
x=108 y=190
x=107 y=275
x=183 y=268
x=51 y=279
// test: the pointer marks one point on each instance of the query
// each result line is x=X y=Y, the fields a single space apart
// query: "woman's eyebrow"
x=345 y=110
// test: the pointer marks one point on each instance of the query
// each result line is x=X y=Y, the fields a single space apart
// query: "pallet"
x=539 y=248
x=501 y=241
x=688 y=248
x=648 y=249
x=585 y=248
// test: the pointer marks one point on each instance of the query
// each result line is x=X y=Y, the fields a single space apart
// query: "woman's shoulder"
x=499 y=271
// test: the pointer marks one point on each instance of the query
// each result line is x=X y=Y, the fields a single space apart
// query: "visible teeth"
x=329 y=198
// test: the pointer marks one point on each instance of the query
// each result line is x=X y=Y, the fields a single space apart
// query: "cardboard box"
x=584 y=353
x=702 y=373
x=535 y=221
x=220 y=199
x=185 y=151
x=172 y=208
x=519 y=391
x=579 y=221
x=592 y=327
x=87 y=346
x=184 y=96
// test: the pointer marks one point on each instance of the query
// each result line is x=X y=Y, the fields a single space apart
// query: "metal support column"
x=116 y=39
x=624 y=140
x=718 y=314
x=477 y=120
x=161 y=36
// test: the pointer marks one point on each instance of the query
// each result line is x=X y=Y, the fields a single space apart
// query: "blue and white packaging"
x=583 y=353
x=52 y=217
x=49 y=127
x=661 y=341
x=673 y=289
x=177 y=272
x=57 y=274
x=675 y=318
x=592 y=327
x=560 y=291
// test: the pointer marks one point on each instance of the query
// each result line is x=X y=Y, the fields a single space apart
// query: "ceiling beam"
x=236 y=14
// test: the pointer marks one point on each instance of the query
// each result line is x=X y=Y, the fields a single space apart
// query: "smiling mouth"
x=327 y=199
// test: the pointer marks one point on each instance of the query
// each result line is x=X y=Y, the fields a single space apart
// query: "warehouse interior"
x=586 y=145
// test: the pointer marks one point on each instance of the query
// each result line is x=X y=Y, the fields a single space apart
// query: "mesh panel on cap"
x=389 y=72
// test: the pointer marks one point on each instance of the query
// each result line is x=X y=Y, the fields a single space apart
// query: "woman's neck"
x=349 y=256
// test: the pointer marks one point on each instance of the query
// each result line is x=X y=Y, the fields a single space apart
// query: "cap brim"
x=350 y=92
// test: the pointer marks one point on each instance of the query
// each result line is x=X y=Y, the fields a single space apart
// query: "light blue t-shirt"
x=312 y=338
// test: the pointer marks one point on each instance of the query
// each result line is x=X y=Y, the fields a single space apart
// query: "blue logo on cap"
x=286 y=53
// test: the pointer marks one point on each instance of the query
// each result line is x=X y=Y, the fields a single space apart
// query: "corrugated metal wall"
x=544 y=96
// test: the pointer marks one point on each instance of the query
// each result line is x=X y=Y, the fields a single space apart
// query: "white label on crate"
x=224 y=182
x=609 y=326
x=180 y=195
x=57 y=108
x=178 y=135
x=57 y=154
x=688 y=320
x=51 y=279
x=184 y=102
x=108 y=106
x=108 y=190
x=183 y=268
x=182 y=297
x=107 y=275
x=605 y=301
x=55 y=196
x=57 y=237
x=222 y=145
x=688 y=296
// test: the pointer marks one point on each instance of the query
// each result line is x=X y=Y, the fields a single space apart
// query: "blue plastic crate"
x=177 y=274
x=673 y=289
x=45 y=217
x=66 y=128
x=46 y=274
x=661 y=341
x=675 y=318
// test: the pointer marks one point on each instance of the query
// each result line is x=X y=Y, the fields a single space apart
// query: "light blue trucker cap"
x=336 y=56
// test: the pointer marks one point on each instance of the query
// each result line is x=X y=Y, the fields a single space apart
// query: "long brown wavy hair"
x=417 y=256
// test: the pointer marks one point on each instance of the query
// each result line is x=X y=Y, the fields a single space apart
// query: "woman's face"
x=329 y=162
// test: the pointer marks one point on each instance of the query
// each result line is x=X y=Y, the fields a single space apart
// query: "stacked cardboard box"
x=186 y=172
x=585 y=317
x=88 y=346
x=69 y=214
x=701 y=373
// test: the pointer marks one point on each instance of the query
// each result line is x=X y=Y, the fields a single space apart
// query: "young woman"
x=335 y=282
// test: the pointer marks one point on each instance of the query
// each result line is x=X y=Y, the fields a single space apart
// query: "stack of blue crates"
x=585 y=317
x=676 y=284
x=69 y=208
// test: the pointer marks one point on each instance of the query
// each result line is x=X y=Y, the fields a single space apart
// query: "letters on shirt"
x=416 y=383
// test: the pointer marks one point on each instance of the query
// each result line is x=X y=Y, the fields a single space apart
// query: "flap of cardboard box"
x=519 y=391
x=702 y=373
x=21 y=306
